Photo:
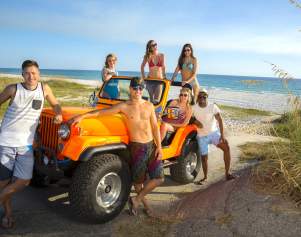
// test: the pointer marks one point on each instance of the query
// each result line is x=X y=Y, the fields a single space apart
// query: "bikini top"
x=189 y=66
x=159 y=63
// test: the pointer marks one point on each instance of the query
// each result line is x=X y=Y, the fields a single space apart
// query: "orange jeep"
x=94 y=151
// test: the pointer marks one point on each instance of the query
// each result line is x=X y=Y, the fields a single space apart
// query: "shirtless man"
x=145 y=142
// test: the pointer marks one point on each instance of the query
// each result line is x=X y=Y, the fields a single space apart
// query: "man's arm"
x=219 y=119
x=54 y=104
x=7 y=93
x=117 y=108
x=198 y=123
x=156 y=133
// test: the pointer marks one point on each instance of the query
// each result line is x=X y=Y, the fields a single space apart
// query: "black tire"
x=88 y=176
x=39 y=180
x=179 y=172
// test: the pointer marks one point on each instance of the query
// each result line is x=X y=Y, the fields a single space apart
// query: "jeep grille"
x=48 y=132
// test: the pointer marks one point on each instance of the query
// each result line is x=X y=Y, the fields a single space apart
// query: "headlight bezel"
x=64 y=131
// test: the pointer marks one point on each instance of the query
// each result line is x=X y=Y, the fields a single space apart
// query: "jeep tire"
x=188 y=164
x=100 y=188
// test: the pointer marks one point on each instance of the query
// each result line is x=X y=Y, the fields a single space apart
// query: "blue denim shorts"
x=16 y=162
x=203 y=142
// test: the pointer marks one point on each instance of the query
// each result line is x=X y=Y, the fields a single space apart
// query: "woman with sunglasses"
x=177 y=114
x=156 y=64
x=109 y=70
x=188 y=65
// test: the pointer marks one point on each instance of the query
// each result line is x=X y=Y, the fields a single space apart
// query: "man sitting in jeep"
x=145 y=142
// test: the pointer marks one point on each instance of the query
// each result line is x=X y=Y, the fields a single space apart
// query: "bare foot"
x=136 y=203
x=148 y=212
x=132 y=209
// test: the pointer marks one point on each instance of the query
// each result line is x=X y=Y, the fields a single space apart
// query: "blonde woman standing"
x=188 y=66
x=178 y=114
x=108 y=71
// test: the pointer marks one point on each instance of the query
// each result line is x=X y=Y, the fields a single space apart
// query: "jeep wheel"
x=189 y=163
x=100 y=188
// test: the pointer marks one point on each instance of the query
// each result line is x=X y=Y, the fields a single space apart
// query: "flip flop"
x=132 y=210
x=7 y=222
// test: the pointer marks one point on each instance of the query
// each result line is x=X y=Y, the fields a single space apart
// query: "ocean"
x=224 y=82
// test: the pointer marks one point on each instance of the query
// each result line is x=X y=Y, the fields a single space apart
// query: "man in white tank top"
x=17 y=131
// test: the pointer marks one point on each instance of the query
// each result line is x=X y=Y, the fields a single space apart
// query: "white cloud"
x=110 y=24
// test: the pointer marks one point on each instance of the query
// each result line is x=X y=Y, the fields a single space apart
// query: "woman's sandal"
x=132 y=210
x=7 y=222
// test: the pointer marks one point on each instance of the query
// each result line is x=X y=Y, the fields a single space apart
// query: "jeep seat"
x=168 y=138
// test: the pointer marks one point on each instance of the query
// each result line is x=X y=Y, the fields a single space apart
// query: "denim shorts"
x=204 y=141
x=16 y=162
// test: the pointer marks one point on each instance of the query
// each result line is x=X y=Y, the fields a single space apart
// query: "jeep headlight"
x=64 y=131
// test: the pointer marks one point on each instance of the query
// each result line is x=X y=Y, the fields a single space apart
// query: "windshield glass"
x=118 y=89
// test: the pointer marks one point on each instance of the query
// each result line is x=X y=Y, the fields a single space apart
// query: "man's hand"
x=75 y=119
x=223 y=139
x=198 y=124
x=184 y=83
x=58 y=119
x=158 y=153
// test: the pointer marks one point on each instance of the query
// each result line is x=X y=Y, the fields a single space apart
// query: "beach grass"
x=241 y=113
x=280 y=161
x=288 y=126
x=279 y=169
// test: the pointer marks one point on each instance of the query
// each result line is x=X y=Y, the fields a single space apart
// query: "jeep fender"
x=88 y=153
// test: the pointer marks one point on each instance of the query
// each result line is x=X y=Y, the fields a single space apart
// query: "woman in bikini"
x=108 y=71
x=188 y=66
x=178 y=113
x=156 y=65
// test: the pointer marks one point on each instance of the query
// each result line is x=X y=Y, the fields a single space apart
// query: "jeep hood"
x=108 y=125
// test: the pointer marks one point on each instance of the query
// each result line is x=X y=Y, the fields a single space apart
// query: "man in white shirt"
x=209 y=132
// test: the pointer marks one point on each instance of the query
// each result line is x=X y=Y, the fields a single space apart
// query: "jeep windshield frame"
x=117 y=89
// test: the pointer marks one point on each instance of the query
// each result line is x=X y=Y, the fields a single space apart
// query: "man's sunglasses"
x=136 y=88
x=185 y=95
x=203 y=96
x=153 y=45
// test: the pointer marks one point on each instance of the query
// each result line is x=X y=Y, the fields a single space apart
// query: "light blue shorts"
x=16 y=162
x=203 y=142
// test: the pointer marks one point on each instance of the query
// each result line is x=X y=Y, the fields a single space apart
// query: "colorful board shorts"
x=16 y=162
x=204 y=141
x=143 y=161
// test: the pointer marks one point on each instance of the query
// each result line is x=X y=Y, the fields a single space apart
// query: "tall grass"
x=281 y=160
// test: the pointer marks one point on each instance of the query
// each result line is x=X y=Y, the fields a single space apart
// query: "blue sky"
x=229 y=37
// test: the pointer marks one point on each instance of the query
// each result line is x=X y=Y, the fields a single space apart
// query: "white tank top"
x=22 y=117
